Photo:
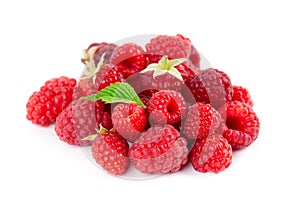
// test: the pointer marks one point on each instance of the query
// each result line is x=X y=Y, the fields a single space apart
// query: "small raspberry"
x=129 y=120
x=242 y=124
x=213 y=154
x=110 y=151
x=45 y=105
x=166 y=107
x=241 y=94
x=129 y=58
x=79 y=120
x=211 y=86
x=201 y=121
x=159 y=150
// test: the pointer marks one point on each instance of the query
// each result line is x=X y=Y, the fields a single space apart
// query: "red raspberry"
x=146 y=95
x=241 y=94
x=159 y=150
x=129 y=58
x=242 y=124
x=166 y=107
x=213 y=154
x=96 y=50
x=109 y=74
x=174 y=47
x=46 y=104
x=79 y=120
x=129 y=120
x=211 y=86
x=110 y=151
x=201 y=121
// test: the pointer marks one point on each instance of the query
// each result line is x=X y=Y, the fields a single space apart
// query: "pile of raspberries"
x=149 y=107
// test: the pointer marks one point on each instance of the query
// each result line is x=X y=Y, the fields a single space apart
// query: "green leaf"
x=118 y=92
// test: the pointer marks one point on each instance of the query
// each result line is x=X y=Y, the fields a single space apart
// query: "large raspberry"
x=129 y=120
x=110 y=151
x=166 y=107
x=81 y=119
x=45 y=105
x=159 y=150
x=242 y=124
x=201 y=121
x=129 y=58
x=241 y=94
x=213 y=154
x=211 y=86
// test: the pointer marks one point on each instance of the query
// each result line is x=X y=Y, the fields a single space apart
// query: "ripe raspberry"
x=241 y=94
x=166 y=107
x=129 y=120
x=242 y=124
x=201 y=121
x=110 y=151
x=174 y=47
x=211 y=86
x=96 y=50
x=159 y=150
x=46 y=104
x=213 y=154
x=107 y=76
x=129 y=58
x=79 y=120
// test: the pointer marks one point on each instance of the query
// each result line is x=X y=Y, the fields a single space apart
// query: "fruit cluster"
x=149 y=107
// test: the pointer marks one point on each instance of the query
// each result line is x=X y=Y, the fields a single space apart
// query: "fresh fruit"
x=130 y=58
x=45 y=105
x=213 y=154
x=110 y=151
x=166 y=107
x=242 y=124
x=174 y=47
x=96 y=50
x=201 y=121
x=159 y=150
x=129 y=120
x=79 y=120
x=241 y=94
x=211 y=86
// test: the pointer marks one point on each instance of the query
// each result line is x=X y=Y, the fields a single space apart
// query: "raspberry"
x=45 y=105
x=159 y=150
x=107 y=76
x=213 y=154
x=110 y=151
x=166 y=107
x=172 y=46
x=241 y=94
x=129 y=120
x=79 y=120
x=129 y=58
x=194 y=59
x=211 y=86
x=201 y=121
x=242 y=124
x=146 y=95
x=96 y=50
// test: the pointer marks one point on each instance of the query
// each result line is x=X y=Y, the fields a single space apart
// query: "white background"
x=255 y=42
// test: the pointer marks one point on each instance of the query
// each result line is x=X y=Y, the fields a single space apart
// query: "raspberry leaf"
x=164 y=66
x=116 y=93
